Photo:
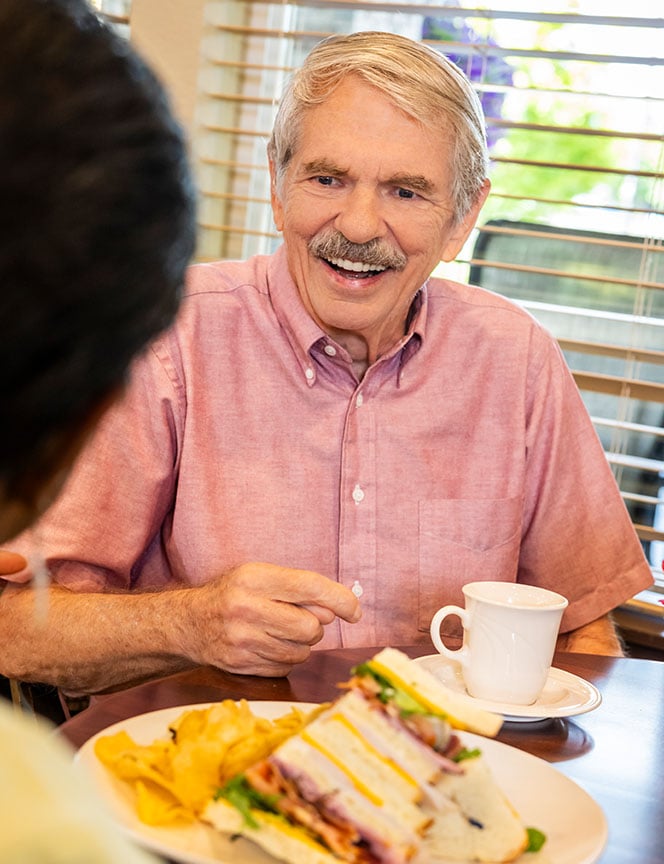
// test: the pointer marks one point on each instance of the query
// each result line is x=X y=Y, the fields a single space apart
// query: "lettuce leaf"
x=390 y=693
x=465 y=753
x=536 y=839
x=245 y=799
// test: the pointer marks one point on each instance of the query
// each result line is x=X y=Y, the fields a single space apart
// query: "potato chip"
x=130 y=761
x=176 y=776
x=156 y=806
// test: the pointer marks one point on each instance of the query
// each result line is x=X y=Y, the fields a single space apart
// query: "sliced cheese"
x=432 y=694
x=273 y=834
x=324 y=779
x=406 y=753
x=374 y=776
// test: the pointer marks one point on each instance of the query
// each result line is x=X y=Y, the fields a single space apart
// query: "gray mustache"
x=375 y=253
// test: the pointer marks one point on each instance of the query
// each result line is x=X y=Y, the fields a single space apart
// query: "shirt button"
x=330 y=350
x=358 y=493
x=359 y=399
x=357 y=589
x=309 y=373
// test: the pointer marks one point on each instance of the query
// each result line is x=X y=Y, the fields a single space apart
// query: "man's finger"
x=11 y=562
x=316 y=592
x=324 y=615
x=304 y=588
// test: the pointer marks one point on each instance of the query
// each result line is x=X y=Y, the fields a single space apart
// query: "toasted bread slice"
x=426 y=689
x=482 y=827
x=274 y=835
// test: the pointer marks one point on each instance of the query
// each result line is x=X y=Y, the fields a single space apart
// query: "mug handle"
x=460 y=653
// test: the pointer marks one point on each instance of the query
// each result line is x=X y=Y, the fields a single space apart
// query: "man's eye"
x=405 y=193
x=325 y=181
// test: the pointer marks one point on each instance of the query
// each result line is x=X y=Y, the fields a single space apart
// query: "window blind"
x=573 y=229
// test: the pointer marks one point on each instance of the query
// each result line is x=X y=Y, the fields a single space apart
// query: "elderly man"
x=330 y=443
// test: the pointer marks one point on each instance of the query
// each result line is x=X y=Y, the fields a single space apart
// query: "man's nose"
x=360 y=218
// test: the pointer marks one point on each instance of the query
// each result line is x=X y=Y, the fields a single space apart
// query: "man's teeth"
x=355 y=266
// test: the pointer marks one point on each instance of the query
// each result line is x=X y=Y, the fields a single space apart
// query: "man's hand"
x=262 y=619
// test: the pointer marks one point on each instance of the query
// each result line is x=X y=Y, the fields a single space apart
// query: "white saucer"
x=564 y=694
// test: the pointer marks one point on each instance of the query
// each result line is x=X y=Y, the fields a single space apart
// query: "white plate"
x=546 y=799
x=564 y=694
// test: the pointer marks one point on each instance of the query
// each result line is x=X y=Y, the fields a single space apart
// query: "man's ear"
x=459 y=235
x=277 y=208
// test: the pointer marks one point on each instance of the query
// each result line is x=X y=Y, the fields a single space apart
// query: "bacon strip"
x=338 y=836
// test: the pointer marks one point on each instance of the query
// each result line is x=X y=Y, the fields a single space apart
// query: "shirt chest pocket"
x=464 y=540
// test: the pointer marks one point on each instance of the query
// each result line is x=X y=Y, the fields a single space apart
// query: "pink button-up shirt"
x=464 y=453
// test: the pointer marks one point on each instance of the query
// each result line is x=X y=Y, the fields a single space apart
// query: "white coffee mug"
x=509 y=637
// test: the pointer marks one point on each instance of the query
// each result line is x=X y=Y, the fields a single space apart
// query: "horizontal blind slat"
x=564 y=274
x=641 y=499
x=581 y=206
x=572 y=166
x=488 y=50
x=615 y=385
x=442 y=11
x=646 y=532
x=570 y=237
x=642 y=355
x=658 y=431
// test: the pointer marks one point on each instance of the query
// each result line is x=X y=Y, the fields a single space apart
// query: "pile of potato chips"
x=176 y=776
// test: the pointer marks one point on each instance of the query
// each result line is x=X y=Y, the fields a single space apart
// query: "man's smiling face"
x=365 y=211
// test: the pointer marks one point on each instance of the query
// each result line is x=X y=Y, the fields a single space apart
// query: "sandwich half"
x=380 y=777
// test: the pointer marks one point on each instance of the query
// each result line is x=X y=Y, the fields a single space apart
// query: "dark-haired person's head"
x=96 y=230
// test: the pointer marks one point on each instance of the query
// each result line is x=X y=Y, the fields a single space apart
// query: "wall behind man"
x=168 y=34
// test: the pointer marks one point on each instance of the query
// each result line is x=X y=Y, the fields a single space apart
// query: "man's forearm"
x=597 y=637
x=255 y=619
x=89 y=643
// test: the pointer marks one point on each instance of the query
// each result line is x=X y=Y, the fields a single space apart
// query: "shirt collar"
x=303 y=332
x=300 y=328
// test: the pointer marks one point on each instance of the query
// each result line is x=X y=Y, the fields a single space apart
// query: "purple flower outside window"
x=476 y=63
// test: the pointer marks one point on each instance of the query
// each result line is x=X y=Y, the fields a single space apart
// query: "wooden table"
x=616 y=752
